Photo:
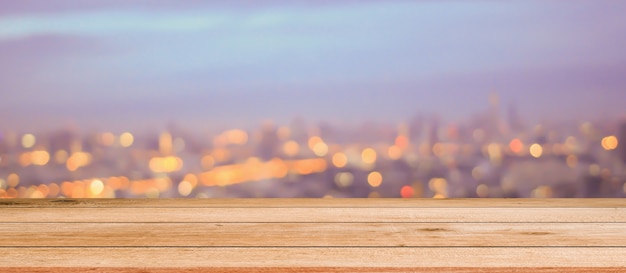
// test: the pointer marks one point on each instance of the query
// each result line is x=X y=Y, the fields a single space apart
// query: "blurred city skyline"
x=135 y=65
x=436 y=99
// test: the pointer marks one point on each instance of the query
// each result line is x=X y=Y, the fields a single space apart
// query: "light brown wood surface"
x=313 y=235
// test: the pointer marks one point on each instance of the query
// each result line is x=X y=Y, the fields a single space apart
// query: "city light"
x=609 y=143
x=28 y=141
x=96 y=187
x=407 y=192
x=368 y=156
x=291 y=148
x=40 y=158
x=394 y=152
x=536 y=150
x=374 y=179
x=126 y=139
x=320 y=149
x=344 y=179
x=438 y=185
x=340 y=160
x=166 y=164
x=516 y=146
x=13 y=180
x=457 y=160
x=185 y=188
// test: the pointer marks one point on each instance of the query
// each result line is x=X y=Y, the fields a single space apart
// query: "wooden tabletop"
x=313 y=235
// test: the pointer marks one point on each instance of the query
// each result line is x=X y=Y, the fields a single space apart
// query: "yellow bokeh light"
x=37 y=194
x=340 y=160
x=320 y=149
x=165 y=164
x=368 y=156
x=374 y=179
x=28 y=141
x=314 y=140
x=438 y=185
x=126 y=139
x=185 y=188
x=192 y=179
x=78 y=160
x=344 y=179
x=610 y=143
x=536 y=150
x=13 y=180
x=40 y=158
x=96 y=187
x=291 y=148
x=495 y=152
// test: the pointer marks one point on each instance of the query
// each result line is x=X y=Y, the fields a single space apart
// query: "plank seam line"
x=294 y=222
x=382 y=207
x=304 y=247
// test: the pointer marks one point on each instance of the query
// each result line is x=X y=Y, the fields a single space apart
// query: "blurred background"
x=203 y=99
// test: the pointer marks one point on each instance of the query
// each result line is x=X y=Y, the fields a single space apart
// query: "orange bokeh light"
x=407 y=192
x=516 y=146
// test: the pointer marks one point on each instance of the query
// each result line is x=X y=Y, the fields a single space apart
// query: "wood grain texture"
x=314 y=257
x=313 y=235
x=315 y=269
x=315 y=215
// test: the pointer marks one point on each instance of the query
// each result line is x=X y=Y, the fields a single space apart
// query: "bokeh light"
x=609 y=143
x=536 y=150
x=374 y=179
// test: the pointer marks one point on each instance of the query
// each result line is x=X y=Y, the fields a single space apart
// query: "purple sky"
x=127 y=64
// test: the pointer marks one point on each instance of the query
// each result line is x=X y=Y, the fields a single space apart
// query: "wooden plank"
x=316 y=270
x=311 y=234
x=317 y=203
x=314 y=257
x=314 y=214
